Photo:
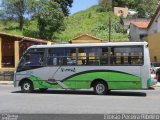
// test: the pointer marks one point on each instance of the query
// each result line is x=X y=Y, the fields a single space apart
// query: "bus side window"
x=129 y=60
x=83 y=62
x=126 y=55
x=122 y=59
x=104 y=57
x=112 y=58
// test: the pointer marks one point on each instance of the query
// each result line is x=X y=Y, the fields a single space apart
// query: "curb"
x=6 y=82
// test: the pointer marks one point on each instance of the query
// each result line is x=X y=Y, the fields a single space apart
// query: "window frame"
x=99 y=47
x=130 y=46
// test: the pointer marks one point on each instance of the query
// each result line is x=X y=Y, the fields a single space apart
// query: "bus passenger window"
x=112 y=58
x=89 y=56
x=105 y=56
x=127 y=55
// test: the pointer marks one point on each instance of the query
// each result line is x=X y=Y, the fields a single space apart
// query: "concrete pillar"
x=16 y=53
x=0 y=52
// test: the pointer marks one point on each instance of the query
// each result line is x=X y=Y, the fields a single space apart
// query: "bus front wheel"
x=27 y=86
x=100 y=88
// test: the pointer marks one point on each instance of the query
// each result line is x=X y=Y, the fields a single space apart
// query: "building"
x=85 y=38
x=12 y=48
x=153 y=37
x=150 y=32
x=121 y=11
x=138 y=31
x=154 y=25
x=127 y=21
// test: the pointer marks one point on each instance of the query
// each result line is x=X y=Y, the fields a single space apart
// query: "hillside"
x=92 y=22
x=89 y=21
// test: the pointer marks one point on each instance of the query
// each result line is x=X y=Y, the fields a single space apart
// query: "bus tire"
x=43 y=89
x=27 y=86
x=100 y=88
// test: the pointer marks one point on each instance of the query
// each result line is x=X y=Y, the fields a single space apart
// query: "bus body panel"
x=81 y=77
x=145 y=69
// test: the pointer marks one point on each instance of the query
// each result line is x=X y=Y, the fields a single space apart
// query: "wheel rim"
x=100 y=88
x=26 y=86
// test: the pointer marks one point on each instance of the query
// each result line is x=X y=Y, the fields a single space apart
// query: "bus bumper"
x=149 y=83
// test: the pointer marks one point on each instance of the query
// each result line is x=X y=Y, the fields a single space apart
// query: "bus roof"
x=90 y=44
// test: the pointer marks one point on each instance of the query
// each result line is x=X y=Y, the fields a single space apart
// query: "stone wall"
x=6 y=75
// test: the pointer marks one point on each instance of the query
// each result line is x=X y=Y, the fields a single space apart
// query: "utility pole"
x=110 y=9
x=109 y=28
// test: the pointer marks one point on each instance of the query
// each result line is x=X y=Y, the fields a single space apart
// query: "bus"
x=99 y=66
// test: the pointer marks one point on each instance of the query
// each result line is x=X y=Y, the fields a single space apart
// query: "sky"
x=79 y=5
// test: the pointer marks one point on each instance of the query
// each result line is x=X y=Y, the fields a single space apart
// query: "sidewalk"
x=6 y=82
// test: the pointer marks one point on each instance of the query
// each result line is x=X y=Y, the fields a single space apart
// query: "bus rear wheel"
x=100 y=88
x=27 y=86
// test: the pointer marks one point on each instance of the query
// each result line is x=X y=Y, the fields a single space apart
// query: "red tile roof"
x=142 y=25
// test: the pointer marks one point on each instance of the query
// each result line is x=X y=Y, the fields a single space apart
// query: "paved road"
x=78 y=102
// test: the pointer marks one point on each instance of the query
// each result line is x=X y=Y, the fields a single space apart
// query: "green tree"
x=132 y=4
x=147 y=8
x=64 y=5
x=50 y=18
x=105 y=5
x=16 y=9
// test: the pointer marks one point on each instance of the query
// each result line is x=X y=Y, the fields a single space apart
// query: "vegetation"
x=47 y=16
x=92 y=22
x=89 y=21
x=145 y=8
x=49 y=19
x=16 y=10
x=65 y=4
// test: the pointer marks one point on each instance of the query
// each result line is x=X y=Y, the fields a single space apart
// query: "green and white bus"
x=101 y=66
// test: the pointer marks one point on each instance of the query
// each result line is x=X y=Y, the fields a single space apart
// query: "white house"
x=154 y=25
x=149 y=31
x=139 y=30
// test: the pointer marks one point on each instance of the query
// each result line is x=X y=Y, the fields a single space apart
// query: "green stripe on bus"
x=39 y=83
x=115 y=80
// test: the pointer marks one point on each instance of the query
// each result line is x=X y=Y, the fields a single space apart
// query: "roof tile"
x=142 y=25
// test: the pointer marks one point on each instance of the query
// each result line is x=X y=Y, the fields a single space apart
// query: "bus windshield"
x=31 y=59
